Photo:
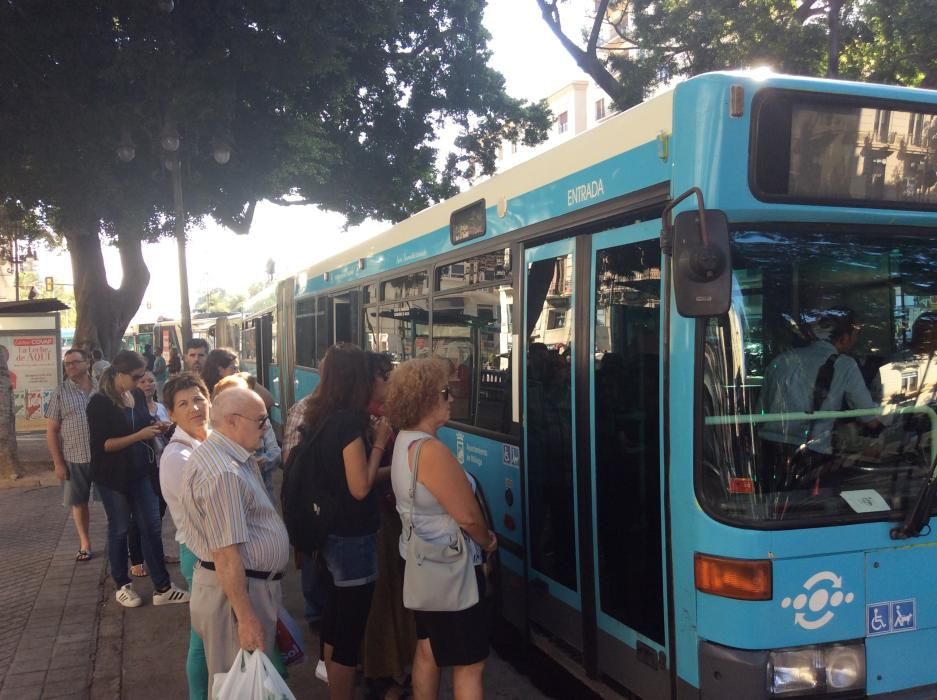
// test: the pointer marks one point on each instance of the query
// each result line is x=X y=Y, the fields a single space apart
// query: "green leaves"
x=334 y=101
x=656 y=42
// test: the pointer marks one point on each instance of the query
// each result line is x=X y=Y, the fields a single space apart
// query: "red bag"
x=289 y=638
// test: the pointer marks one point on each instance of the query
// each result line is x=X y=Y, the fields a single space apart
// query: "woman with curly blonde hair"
x=418 y=404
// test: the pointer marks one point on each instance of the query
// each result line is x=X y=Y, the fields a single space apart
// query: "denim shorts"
x=77 y=488
x=352 y=561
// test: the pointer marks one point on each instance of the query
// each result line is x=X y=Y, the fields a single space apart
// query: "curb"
x=107 y=654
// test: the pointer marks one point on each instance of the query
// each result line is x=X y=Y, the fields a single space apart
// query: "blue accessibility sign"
x=878 y=619
x=903 y=617
x=510 y=455
x=891 y=616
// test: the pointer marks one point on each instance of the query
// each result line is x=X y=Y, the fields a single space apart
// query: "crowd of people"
x=208 y=454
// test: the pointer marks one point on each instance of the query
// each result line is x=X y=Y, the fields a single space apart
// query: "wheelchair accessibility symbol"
x=891 y=616
x=814 y=605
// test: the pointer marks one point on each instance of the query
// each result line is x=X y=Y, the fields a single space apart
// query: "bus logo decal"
x=582 y=193
x=817 y=599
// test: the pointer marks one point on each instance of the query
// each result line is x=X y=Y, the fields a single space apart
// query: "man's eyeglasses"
x=446 y=392
x=72 y=363
x=261 y=422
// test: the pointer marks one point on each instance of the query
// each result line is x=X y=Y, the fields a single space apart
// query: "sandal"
x=138 y=571
x=83 y=555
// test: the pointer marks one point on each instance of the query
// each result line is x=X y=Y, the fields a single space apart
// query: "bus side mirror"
x=702 y=270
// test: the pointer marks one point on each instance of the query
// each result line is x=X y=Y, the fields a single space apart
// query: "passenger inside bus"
x=869 y=450
x=818 y=375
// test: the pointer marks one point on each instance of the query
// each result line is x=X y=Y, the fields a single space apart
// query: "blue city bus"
x=612 y=344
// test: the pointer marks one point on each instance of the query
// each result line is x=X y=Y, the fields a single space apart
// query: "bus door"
x=552 y=526
x=264 y=330
x=630 y=604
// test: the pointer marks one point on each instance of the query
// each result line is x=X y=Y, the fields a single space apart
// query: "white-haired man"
x=236 y=533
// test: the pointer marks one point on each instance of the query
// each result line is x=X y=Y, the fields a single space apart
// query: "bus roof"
x=634 y=127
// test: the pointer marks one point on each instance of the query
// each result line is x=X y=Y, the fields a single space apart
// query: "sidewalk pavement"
x=63 y=634
x=48 y=601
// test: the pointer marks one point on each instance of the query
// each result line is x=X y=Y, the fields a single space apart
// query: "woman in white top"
x=189 y=408
x=418 y=403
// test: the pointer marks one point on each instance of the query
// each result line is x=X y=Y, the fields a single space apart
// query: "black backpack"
x=309 y=508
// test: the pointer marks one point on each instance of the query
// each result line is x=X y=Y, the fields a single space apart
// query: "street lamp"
x=170 y=142
x=17 y=260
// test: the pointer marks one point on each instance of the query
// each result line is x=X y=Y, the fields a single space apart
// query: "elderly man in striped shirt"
x=237 y=534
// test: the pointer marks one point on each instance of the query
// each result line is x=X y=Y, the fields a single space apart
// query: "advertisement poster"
x=34 y=372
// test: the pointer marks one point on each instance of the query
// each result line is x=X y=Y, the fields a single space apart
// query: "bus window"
x=249 y=341
x=472 y=330
x=312 y=331
x=306 y=333
x=323 y=332
x=272 y=329
x=370 y=294
x=405 y=330
x=490 y=267
x=776 y=442
x=406 y=287
x=345 y=317
x=373 y=340
x=627 y=434
x=549 y=418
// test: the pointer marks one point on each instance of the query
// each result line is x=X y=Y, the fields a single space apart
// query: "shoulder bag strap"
x=413 y=471
x=823 y=382
x=821 y=388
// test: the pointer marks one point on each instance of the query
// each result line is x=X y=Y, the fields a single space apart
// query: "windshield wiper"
x=919 y=514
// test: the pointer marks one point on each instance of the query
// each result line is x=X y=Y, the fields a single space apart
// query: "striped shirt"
x=294 y=421
x=224 y=502
x=67 y=407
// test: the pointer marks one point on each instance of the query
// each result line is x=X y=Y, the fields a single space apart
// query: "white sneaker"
x=128 y=597
x=321 y=673
x=170 y=596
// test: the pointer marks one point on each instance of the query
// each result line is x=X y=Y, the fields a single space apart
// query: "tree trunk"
x=587 y=59
x=832 y=69
x=102 y=312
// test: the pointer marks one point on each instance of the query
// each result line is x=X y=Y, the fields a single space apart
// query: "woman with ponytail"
x=122 y=457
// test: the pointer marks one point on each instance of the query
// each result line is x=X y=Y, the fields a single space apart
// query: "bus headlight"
x=817 y=670
x=794 y=670
x=845 y=667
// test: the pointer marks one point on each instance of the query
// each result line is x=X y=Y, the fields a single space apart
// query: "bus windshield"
x=820 y=383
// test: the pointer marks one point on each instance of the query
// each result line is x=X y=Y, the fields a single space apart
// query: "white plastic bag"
x=251 y=677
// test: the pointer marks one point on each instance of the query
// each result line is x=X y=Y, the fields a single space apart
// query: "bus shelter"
x=30 y=342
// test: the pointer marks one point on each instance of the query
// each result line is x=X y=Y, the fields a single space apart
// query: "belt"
x=250 y=573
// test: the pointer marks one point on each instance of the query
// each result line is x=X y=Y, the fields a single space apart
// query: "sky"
x=524 y=51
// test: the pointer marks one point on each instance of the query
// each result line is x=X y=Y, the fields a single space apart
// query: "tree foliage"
x=331 y=102
x=635 y=47
x=219 y=300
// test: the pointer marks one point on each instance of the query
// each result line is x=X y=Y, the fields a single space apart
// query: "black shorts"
x=458 y=638
x=344 y=618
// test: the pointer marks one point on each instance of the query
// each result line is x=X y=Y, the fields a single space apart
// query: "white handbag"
x=438 y=577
